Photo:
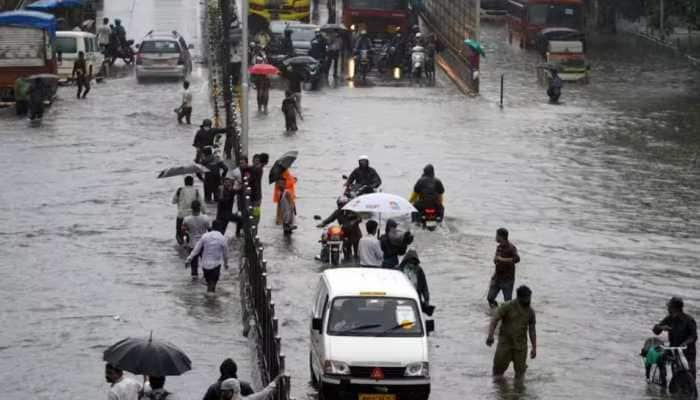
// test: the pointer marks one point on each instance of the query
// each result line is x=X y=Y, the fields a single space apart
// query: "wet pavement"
x=599 y=193
x=88 y=254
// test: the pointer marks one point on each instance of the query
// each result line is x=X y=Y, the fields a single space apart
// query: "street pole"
x=245 y=77
x=661 y=19
x=226 y=84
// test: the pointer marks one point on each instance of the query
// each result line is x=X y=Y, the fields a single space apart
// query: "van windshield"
x=374 y=316
x=67 y=45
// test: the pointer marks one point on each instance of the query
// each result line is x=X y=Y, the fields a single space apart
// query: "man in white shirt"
x=185 y=109
x=212 y=247
x=103 y=34
x=183 y=198
x=194 y=227
x=123 y=388
x=369 y=249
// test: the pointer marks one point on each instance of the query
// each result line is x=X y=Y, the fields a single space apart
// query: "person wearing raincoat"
x=284 y=196
x=410 y=266
x=428 y=192
x=394 y=244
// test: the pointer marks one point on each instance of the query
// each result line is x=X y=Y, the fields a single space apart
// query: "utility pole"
x=245 y=77
x=661 y=20
x=226 y=84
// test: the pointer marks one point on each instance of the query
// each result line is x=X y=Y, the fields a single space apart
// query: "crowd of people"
x=226 y=387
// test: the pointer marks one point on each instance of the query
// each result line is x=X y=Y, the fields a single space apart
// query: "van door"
x=318 y=312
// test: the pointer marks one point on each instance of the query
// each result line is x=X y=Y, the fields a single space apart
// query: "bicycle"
x=682 y=382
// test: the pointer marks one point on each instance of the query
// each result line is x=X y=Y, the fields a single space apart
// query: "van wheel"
x=314 y=381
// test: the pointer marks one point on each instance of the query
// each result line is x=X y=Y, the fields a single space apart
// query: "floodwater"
x=599 y=194
x=87 y=249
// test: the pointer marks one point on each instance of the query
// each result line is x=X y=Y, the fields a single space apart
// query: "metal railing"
x=257 y=292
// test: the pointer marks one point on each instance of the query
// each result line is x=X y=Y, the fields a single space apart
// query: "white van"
x=68 y=44
x=369 y=340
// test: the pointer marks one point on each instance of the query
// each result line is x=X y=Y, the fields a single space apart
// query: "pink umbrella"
x=263 y=69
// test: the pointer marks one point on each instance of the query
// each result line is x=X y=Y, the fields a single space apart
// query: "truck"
x=26 y=49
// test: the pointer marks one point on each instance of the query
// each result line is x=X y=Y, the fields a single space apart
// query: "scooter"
x=430 y=219
x=125 y=52
x=331 y=241
x=417 y=63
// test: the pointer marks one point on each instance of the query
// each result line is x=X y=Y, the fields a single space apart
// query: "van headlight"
x=336 y=368
x=418 y=369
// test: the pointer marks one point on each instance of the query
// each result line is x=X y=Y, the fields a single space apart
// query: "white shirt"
x=371 y=254
x=103 y=34
x=186 y=98
x=237 y=177
x=184 y=197
x=213 y=248
x=124 y=389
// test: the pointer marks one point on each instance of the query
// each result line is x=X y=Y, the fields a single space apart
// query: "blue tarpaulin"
x=33 y=19
x=48 y=5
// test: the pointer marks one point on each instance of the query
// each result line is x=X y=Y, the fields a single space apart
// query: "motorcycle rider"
x=363 y=42
x=364 y=176
x=318 y=50
x=555 y=84
x=350 y=224
x=427 y=193
x=205 y=137
x=399 y=44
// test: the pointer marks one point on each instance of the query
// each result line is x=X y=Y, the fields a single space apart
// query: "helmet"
x=676 y=303
x=341 y=201
x=206 y=123
x=363 y=158
x=419 y=35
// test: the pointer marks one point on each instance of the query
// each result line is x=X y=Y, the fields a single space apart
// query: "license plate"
x=430 y=223
x=377 y=397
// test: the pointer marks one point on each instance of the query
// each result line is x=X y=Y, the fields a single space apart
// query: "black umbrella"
x=142 y=356
x=282 y=164
x=300 y=60
x=183 y=170
x=334 y=28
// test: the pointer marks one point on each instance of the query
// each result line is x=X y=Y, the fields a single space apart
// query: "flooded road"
x=88 y=254
x=599 y=193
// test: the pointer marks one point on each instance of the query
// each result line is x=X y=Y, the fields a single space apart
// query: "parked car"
x=68 y=44
x=494 y=8
x=302 y=34
x=369 y=339
x=163 y=55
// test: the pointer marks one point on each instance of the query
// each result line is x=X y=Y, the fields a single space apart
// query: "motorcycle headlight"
x=336 y=368
x=418 y=369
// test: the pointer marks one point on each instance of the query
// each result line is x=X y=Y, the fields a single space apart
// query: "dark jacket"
x=214 y=393
x=365 y=176
x=349 y=221
x=216 y=167
x=394 y=244
x=429 y=188
x=318 y=48
x=205 y=137
x=410 y=265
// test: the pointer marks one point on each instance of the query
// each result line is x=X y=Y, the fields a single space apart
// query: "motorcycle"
x=356 y=189
x=313 y=75
x=417 y=63
x=332 y=241
x=362 y=65
x=125 y=52
x=430 y=218
x=554 y=92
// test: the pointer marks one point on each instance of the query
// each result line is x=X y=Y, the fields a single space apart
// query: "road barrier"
x=259 y=319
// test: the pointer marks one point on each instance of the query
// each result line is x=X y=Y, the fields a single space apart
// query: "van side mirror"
x=317 y=324
x=430 y=325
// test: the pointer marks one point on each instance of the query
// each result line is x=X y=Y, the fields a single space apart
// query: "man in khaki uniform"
x=517 y=321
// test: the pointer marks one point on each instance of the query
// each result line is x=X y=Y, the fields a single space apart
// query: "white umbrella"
x=381 y=203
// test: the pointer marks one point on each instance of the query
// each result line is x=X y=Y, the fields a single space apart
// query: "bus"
x=527 y=18
x=262 y=12
x=380 y=18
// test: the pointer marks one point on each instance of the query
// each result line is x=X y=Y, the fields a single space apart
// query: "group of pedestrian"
x=226 y=387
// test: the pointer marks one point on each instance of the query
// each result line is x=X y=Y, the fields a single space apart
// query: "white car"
x=68 y=44
x=368 y=337
x=163 y=55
